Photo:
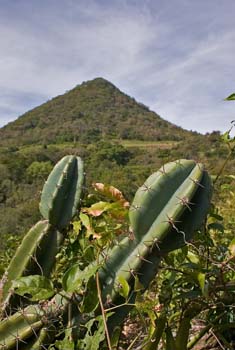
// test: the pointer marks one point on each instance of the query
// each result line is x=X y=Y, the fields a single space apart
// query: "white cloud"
x=146 y=49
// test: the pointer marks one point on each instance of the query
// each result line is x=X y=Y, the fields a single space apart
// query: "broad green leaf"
x=226 y=137
x=74 y=279
x=37 y=287
x=76 y=226
x=90 y=300
x=193 y=258
x=124 y=287
x=230 y=97
x=86 y=222
x=93 y=338
x=98 y=208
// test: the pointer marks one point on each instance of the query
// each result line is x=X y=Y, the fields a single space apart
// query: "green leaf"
x=226 y=137
x=201 y=277
x=230 y=97
x=90 y=300
x=74 y=279
x=125 y=288
x=76 y=226
x=138 y=286
x=98 y=208
x=216 y=216
x=216 y=226
x=93 y=338
x=37 y=287
x=66 y=343
x=88 y=225
x=193 y=258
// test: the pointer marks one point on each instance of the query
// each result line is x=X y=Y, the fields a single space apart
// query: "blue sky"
x=175 y=56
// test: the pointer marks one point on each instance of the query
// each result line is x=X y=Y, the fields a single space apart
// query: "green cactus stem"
x=62 y=191
x=165 y=212
x=35 y=255
x=32 y=327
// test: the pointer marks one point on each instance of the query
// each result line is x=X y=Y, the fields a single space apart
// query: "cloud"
x=176 y=59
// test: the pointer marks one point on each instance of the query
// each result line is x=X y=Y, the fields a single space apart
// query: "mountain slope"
x=120 y=140
x=93 y=110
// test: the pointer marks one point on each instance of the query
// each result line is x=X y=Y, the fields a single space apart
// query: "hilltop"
x=91 y=111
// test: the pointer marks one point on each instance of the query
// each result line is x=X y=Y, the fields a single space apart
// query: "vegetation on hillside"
x=121 y=141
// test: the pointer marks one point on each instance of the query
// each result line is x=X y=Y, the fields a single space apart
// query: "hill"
x=120 y=140
x=93 y=110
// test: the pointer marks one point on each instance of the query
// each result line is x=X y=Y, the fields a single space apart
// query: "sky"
x=175 y=56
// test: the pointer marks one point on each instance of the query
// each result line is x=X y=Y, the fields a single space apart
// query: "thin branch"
x=103 y=311
x=217 y=339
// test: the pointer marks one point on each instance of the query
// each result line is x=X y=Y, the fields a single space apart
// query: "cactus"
x=59 y=200
x=33 y=326
x=165 y=212
x=32 y=256
x=62 y=191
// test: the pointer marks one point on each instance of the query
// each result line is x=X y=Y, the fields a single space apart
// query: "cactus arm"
x=156 y=193
x=160 y=198
x=131 y=255
x=23 y=326
x=47 y=250
x=45 y=337
x=23 y=256
x=35 y=255
x=191 y=220
x=20 y=326
x=61 y=192
x=152 y=214
x=177 y=217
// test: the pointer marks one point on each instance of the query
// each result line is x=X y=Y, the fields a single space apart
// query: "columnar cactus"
x=59 y=201
x=166 y=210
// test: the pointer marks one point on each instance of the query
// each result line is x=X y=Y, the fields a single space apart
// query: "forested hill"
x=91 y=111
x=120 y=140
